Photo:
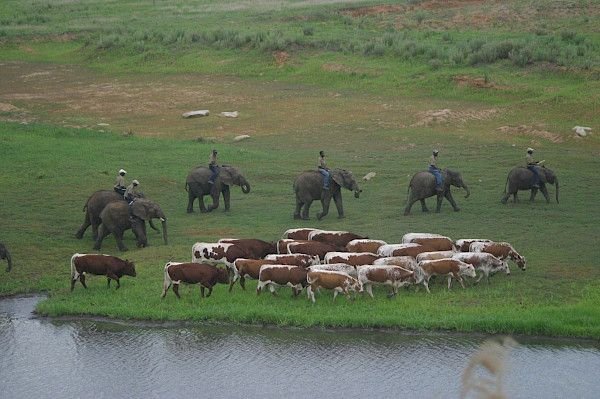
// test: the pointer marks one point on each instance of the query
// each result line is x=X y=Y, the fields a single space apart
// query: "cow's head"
x=356 y=285
x=223 y=275
x=498 y=265
x=129 y=268
x=467 y=270
x=519 y=260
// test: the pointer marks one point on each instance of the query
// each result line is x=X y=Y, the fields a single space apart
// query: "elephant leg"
x=226 y=198
x=191 y=198
x=307 y=205
x=202 y=205
x=533 y=194
x=339 y=205
x=325 y=203
x=84 y=226
x=215 y=193
x=409 y=204
x=450 y=199
x=423 y=205
x=298 y=208
x=544 y=191
x=438 y=207
x=119 y=238
x=102 y=233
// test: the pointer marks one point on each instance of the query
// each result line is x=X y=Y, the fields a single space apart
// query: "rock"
x=233 y=114
x=103 y=124
x=582 y=131
x=369 y=176
x=196 y=114
x=241 y=137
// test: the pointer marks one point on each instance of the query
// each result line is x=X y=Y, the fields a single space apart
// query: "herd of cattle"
x=313 y=259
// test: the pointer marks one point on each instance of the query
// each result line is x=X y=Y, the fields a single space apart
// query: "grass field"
x=363 y=80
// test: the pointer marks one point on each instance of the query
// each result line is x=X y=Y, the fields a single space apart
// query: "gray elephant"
x=94 y=206
x=308 y=187
x=197 y=186
x=422 y=185
x=116 y=219
x=521 y=178
x=4 y=254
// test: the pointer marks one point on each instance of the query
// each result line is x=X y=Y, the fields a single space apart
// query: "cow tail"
x=73 y=270
x=167 y=280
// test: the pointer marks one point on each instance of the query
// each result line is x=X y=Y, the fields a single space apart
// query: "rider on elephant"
x=119 y=186
x=324 y=170
x=213 y=166
x=131 y=192
x=433 y=169
x=532 y=165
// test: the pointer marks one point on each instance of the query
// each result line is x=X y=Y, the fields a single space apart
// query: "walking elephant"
x=197 y=186
x=520 y=178
x=422 y=185
x=308 y=187
x=116 y=219
x=4 y=254
x=94 y=206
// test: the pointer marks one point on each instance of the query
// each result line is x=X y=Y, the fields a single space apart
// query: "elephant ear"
x=338 y=177
x=226 y=175
x=140 y=209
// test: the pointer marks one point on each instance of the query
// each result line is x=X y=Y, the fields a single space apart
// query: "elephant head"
x=344 y=178
x=455 y=179
x=548 y=176
x=232 y=176
x=145 y=210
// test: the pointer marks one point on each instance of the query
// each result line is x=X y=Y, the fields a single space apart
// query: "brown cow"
x=394 y=276
x=354 y=259
x=336 y=267
x=298 y=234
x=364 y=245
x=337 y=238
x=193 y=273
x=317 y=248
x=464 y=243
x=256 y=249
x=435 y=255
x=332 y=280
x=434 y=241
x=282 y=245
x=100 y=265
x=302 y=260
x=446 y=267
x=249 y=268
x=501 y=250
x=411 y=249
x=276 y=275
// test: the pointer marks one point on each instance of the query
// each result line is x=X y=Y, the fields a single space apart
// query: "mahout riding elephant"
x=94 y=206
x=197 y=186
x=116 y=219
x=308 y=187
x=422 y=185
x=4 y=254
x=521 y=178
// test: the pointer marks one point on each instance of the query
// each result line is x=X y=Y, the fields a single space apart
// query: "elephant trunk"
x=467 y=190
x=556 y=183
x=164 y=229
x=151 y=223
x=246 y=188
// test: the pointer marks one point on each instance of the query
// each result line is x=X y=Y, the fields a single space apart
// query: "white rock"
x=233 y=114
x=241 y=137
x=369 y=176
x=195 y=114
x=582 y=130
x=103 y=124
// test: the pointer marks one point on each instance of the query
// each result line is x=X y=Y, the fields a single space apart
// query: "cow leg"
x=460 y=280
x=107 y=282
x=201 y=291
x=82 y=279
x=272 y=289
x=176 y=290
x=209 y=291
x=393 y=292
x=259 y=287
x=335 y=293
x=483 y=273
x=369 y=289
x=74 y=280
x=426 y=284
x=243 y=282
x=165 y=289
x=449 y=281
x=423 y=205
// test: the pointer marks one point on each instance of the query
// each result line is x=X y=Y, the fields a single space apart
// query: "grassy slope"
x=50 y=171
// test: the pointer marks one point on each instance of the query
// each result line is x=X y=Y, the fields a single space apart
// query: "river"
x=44 y=358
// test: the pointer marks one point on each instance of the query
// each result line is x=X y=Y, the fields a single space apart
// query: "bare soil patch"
x=281 y=58
x=525 y=130
x=447 y=115
x=7 y=107
x=480 y=83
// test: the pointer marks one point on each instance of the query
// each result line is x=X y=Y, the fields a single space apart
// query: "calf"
x=302 y=260
x=411 y=249
x=487 y=263
x=298 y=234
x=193 y=273
x=332 y=280
x=248 y=268
x=336 y=267
x=434 y=255
x=277 y=275
x=464 y=243
x=501 y=250
x=337 y=238
x=102 y=265
x=434 y=241
x=215 y=253
x=394 y=276
x=354 y=259
x=364 y=245
x=314 y=248
x=446 y=267
x=256 y=249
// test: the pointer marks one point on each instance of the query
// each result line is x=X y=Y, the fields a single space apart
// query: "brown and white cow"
x=317 y=248
x=483 y=261
x=501 y=250
x=256 y=249
x=339 y=282
x=411 y=249
x=337 y=238
x=207 y=276
x=464 y=243
x=394 y=276
x=434 y=241
x=453 y=268
x=272 y=276
x=248 y=268
x=215 y=253
x=435 y=255
x=282 y=245
x=354 y=259
x=364 y=245
x=302 y=260
x=101 y=265
x=336 y=267
x=298 y=234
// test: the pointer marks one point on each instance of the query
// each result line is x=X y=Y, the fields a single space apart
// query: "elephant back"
x=199 y=174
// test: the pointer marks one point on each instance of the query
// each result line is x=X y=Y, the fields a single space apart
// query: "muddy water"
x=40 y=358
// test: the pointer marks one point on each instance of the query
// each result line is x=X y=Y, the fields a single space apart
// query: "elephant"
x=422 y=185
x=308 y=187
x=521 y=178
x=116 y=219
x=197 y=186
x=4 y=254
x=94 y=206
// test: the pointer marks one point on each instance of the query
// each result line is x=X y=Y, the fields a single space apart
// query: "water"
x=40 y=358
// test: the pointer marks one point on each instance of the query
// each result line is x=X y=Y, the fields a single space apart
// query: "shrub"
x=308 y=30
x=435 y=64
x=521 y=56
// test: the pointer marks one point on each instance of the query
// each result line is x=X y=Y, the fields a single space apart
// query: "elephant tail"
x=506 y=185
x=186 y=186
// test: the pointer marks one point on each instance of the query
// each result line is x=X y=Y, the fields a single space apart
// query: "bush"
x=521 y=56
x=373 y=48
x=308 y=30
x=435 y=64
